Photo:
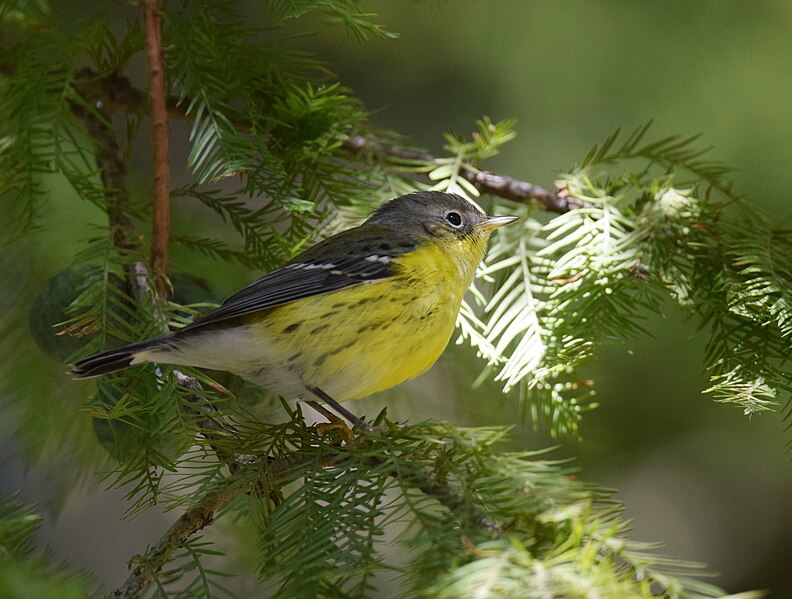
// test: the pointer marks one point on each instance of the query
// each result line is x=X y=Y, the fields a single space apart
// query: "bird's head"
x=443 y=218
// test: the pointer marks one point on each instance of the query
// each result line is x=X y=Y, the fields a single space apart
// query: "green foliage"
x=663 y=227
x=33 y=104
x=345 y=12
x=23 y=572
x=477 y=519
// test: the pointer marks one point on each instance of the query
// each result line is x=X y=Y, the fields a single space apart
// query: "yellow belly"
x=366 y=338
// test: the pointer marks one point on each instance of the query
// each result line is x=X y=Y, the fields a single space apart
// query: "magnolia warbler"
x=359 y=312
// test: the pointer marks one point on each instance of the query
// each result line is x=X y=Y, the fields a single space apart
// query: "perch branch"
x=202 y=513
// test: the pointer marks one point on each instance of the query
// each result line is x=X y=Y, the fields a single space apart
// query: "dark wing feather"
x=352 y=257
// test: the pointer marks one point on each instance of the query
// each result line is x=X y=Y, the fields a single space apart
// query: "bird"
x=359 y=312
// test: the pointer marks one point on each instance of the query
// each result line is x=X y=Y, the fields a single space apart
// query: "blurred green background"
x=710 y=484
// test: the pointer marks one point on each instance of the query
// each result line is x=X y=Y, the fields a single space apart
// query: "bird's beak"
x=494 y=222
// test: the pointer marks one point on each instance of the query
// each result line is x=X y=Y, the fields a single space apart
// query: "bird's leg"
x=337 y=407
x=333 y=422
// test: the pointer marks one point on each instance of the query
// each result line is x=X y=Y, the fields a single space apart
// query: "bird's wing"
x=350 y=258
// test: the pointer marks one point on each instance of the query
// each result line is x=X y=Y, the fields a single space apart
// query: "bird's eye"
x=454 y=218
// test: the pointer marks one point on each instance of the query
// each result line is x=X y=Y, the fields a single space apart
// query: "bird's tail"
x=114 y=359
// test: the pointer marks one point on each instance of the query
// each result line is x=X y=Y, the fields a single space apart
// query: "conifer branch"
x=194 y=519
x=113 y=175
x=96 y=115
x=100 y=94
x=278 y=469
x=494 y=184
x=430 y=484
x=159 y=142
x=128 y=99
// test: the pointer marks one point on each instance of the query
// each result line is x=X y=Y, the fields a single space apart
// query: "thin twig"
x=159 y=143
x=193 y=520
x=486 y=182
